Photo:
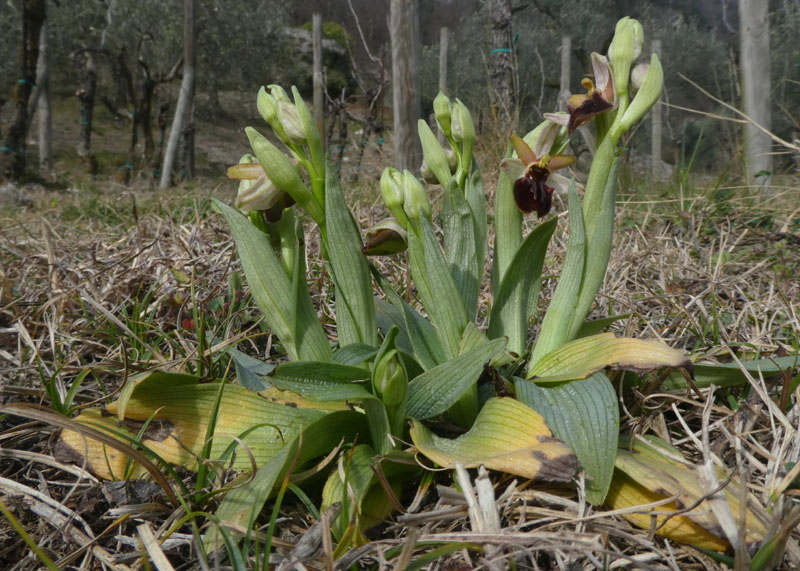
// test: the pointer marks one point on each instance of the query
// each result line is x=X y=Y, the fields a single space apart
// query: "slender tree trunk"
x=444 y=47
x=184 y=105
x=756 y=88
x=564 y=88
x=405 y=83
x=501 y=64
x=33 y=16
x=87 y=72
x=319 y=105
x=45 y=104
x=655 y=147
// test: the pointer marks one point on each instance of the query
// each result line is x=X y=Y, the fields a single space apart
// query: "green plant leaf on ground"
x=507 y=436
x=322 y=382
x=509 y=316
x=460 y=248
x=273 y=291
x=580 y=358
x=730 y=374
x=437 y=290
x=585 y=415
x=240 y=506
x=355 y=308
x=437 y=389
x=555 y=324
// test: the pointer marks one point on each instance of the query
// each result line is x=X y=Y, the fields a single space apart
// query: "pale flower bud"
x=624 y=49
x=415 y=199
x=291 y=123
x=638 y=74
x=441 y=109
x=393 y=195
x=267 y=106
x=463 y=127
x=259 y=194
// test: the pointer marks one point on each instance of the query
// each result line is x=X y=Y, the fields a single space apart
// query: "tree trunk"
x=319 y=105
x=405 y=83
x=754 y=59
x=564 y=88
x=184 y=105
x=33 y=16
x=501 y=64
x=45 y=104
x=87 y=72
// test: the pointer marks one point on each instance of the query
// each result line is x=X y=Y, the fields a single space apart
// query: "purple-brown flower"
x=530 y=174
x=600 y=95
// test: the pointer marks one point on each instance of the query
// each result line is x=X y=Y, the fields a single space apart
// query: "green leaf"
x=580 y=358
x=354 y=354
x=355 y=480
x=595 y=326
x=507 y=436
x=272 y=290
x=585 y=415
x=250 y=372
x=460 y=248
x=556 y=323
x=599 y=237
x=508 y=228
x=322 y=381
x=437 y=389
x=477 y=204
x=389 y=315
x=436 y=287
x=307 y=325
x=509 y=315
x=730 y=374
x=241 y=505
x=417 y=336
x=355 y=309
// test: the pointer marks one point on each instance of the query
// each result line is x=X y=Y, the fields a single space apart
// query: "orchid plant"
x=541 y=409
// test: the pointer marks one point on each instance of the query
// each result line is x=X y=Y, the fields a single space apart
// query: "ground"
x=99 y=276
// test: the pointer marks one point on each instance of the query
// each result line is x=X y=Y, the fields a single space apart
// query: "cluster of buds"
x=404 y=196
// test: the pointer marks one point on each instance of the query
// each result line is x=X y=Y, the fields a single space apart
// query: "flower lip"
x=530 y=173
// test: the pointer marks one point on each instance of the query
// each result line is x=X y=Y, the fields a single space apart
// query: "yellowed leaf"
x=507 y=436
x=580 y=358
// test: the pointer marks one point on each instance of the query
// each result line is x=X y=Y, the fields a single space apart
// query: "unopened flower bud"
x=389 y=379
x=647 y=96
x=441 y=109
x=463 y=127
x=415 y=199
x=393 y=195
x=637 y=76
x=259 y=194
x=624 y=49
x=387 y=237
x=435 y=164
x=267 y=106
x=279 y=93
x=291 y=123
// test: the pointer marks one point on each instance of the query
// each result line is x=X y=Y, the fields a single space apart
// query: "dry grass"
x=88 y=280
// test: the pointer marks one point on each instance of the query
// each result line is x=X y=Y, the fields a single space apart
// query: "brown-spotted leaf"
x=507 y=436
